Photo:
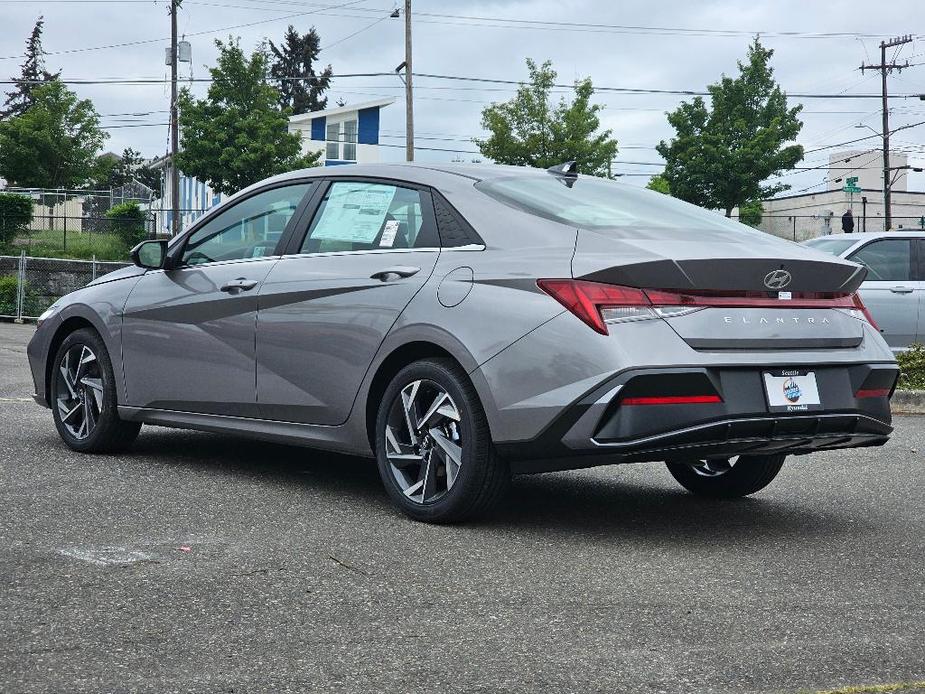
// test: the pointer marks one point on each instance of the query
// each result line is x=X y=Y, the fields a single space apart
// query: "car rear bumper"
x=600 y=428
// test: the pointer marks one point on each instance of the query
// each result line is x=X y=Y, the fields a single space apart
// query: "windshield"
x=596 y=203
x=833 y=246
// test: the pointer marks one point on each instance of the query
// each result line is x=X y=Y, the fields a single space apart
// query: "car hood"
x=707 y=260
x=120 y=274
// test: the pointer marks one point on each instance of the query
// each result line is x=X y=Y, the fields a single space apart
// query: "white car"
x=894 y=291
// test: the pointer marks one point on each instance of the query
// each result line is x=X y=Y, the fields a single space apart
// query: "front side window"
x=595 y=203
x=888 y=260
x=360 y=216
x=249 y=229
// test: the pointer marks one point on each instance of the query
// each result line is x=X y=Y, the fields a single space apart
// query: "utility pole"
x=409 y=98
x=885 y=69
x=174 y=126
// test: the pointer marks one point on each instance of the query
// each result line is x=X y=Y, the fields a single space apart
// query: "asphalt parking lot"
x=211 y=564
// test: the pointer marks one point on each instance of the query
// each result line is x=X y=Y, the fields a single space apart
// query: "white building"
x=344 y=134
x=808 y=215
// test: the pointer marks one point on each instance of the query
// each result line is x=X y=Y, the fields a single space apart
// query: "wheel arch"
x=398 y=358
x=69 y=325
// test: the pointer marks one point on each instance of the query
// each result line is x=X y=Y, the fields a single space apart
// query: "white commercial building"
x=344 y=134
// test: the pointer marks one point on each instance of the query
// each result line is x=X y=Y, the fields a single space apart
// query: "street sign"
x=851 y=185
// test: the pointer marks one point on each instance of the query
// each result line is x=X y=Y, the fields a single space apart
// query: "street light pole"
x=885 y=69
x=409 y=98
x=174 y=127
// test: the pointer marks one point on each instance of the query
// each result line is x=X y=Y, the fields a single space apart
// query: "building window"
x=342 y=141
x=350 y=140
x=333 y=137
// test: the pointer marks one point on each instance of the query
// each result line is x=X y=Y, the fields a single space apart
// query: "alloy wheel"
x=423 y=441
x=79 y=391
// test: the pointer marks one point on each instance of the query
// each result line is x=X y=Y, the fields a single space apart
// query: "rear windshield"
x=596 y=203
x=833 y=246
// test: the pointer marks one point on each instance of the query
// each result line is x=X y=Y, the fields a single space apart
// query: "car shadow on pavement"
x=584 y=504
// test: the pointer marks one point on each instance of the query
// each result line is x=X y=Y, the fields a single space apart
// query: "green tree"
x=113 y=171
x=659 y=184
x=721 y=155
x=295 y=57
x=530 y=130
x=237 y=135
x=54 y=143
x=751 y=212
x=32 y=75
x=15 y=215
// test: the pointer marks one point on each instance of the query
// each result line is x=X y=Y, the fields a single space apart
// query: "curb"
x=908 y=402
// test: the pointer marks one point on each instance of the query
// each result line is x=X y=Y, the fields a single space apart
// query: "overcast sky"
x=676 y=54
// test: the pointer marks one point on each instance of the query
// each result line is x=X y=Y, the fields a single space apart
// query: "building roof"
x=338 y=110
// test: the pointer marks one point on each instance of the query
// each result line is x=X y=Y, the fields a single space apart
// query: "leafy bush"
x=127 y=222
x=912 y=368
x=15 y=216
x=32 y=304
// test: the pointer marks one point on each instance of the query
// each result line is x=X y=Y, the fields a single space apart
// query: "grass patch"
x=876 y=688
x=80 y=246
x=912 y=368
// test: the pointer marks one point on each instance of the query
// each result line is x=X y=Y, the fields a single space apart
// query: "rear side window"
x=833 y=246
x=889 y=260
x=596 y=203
x=362 y=216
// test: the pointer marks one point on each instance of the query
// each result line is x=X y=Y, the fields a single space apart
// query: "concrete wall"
x=801 y=217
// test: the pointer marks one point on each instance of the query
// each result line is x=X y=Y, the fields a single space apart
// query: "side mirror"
x=150 y=254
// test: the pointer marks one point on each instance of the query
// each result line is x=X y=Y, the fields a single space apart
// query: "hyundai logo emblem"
x=777 y=279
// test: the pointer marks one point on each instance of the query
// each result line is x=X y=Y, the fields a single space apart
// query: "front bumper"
x=597 y=429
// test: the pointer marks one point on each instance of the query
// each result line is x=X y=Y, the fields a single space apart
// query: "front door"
x=188 y=333
x=890 y=290
x=325 y=310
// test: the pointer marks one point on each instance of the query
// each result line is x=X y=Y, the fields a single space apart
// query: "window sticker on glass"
x=388 y=234
x=354 y=212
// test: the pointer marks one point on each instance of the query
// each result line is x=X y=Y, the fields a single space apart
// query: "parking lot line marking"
x=15 y=399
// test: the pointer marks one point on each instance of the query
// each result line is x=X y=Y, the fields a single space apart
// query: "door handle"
x=239 y=285
x=394 y=273
x=901 y=290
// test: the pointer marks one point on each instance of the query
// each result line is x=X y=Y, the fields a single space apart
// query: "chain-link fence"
x=76 y=238
x=29 y=285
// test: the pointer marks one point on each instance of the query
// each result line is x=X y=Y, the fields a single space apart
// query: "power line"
x=195 y=33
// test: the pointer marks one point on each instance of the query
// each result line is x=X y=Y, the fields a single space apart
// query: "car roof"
x=870 y=235
x=416 y=172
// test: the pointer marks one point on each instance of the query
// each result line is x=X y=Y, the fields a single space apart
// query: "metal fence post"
x=21 y=287
x=93 y=268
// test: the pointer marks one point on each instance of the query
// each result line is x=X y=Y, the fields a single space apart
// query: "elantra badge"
x=777 y=279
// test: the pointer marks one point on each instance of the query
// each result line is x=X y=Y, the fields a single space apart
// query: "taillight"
x=672 y=400
x=592 y=301
x=859 y=305
x=598 y=304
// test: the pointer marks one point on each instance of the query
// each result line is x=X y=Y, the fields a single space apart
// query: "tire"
x=416 y=452
x=726 y=480
x=83 y=396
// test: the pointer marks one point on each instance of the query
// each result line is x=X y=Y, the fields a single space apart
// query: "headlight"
x=48 y=313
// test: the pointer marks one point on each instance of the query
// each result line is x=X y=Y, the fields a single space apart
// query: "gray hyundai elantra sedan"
x=465 y=323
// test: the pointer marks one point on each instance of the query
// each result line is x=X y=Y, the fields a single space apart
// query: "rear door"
x=891 y=291
x=326 y=307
